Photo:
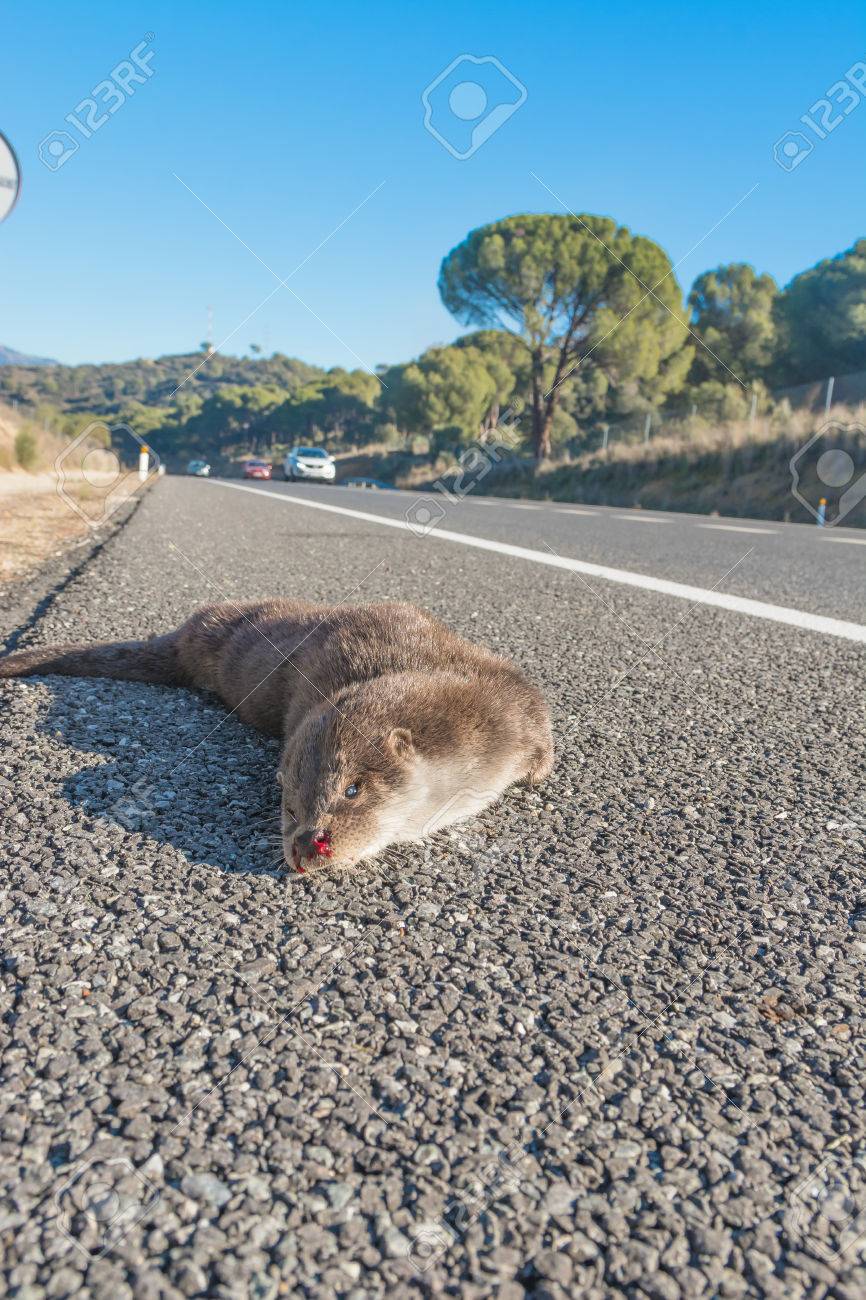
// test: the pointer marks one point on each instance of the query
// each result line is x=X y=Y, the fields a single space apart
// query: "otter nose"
x=313 y=843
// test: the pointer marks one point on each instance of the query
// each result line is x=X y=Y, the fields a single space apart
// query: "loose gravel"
x=604 y=1040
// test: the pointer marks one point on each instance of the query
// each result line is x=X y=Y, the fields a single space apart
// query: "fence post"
x=752 y=409
x=647 y=426
x=828 y=400
x=604 y=433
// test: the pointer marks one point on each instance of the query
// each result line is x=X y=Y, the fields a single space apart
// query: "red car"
x=258 y=469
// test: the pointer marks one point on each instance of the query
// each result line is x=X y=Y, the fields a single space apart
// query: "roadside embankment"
x=53 y=495
x=726 y=470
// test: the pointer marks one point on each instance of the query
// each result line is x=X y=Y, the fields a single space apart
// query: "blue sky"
x=285 y=118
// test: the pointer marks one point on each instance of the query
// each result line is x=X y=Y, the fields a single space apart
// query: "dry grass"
x=728 y=469
x=35 y=526
x=45 y=445
x=696 y=436
x=36 y=522
x=27 y=447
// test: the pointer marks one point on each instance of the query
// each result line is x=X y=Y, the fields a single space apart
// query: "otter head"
x=344 y=787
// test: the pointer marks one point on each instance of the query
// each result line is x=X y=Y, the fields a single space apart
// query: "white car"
x=310 y=463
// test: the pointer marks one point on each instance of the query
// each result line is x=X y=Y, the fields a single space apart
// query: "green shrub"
x=446 y=440
x=388 y=435
x=26 y=449
x=720 y=402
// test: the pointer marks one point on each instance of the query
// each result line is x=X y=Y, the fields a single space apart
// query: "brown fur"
x=429 y=727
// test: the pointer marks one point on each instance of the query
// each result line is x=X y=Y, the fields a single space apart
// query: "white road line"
x=571 y=510
x=739 y=528
x=849 y=541
x=641 y=519
x=698 y=595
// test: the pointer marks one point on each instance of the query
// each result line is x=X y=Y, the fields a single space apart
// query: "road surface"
x=604 y=1040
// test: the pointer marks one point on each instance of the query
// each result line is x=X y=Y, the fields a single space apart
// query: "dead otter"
x=392 y=725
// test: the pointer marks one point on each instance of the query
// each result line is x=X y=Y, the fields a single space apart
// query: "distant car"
x=367 y=483
x=200 y=468
x=310 y=463
x=258 y=469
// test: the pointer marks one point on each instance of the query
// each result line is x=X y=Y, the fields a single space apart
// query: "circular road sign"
x=10 y=178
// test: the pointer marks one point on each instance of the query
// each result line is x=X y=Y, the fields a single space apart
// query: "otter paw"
x=540 y=768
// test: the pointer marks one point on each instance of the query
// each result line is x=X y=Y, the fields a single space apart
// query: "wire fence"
x=821 y=394
x=816 y=398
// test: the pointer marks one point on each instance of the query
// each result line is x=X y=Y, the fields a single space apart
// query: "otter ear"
x=399 y=741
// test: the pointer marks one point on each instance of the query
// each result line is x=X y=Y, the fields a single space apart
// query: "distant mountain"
x=9 y=357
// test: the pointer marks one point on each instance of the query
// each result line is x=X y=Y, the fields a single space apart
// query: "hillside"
x=151 y=381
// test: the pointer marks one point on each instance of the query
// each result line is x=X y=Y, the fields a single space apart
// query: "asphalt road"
x=821 y=570
x=604 y=1040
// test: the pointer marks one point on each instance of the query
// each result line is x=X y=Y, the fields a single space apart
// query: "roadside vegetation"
x=36 y=522
x=613 y=385
x=31 y=439
x=24 y=443
x=730 y=468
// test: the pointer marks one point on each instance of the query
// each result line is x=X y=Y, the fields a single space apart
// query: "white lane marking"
x=698 y=595
x=739 y=528
x=849 y=541
x=641 y=519
x=571 y=510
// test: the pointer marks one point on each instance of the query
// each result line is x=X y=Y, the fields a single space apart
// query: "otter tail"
x=131 y=661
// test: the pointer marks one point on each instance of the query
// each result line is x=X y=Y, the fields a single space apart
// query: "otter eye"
x=351 y=791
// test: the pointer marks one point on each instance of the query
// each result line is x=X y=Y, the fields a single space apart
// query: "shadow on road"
x=168 y=767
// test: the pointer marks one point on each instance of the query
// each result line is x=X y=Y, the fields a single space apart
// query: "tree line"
x=575 y=323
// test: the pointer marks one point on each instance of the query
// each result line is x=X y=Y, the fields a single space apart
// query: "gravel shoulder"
x=604 y=1040
x=44 y=539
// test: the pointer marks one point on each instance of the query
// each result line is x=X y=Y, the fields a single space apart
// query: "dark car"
x=368 y=483
x=258 y=469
